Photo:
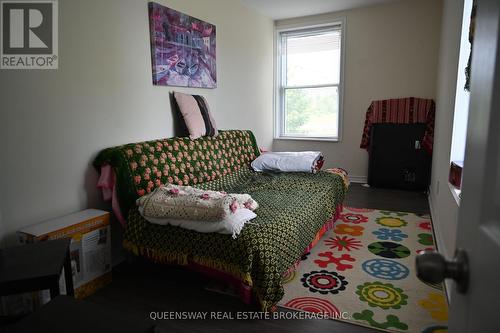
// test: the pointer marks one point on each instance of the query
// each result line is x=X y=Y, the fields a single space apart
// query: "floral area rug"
x=363 y=272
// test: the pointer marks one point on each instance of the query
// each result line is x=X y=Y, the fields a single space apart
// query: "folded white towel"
x=232 y=224
x=303 y=161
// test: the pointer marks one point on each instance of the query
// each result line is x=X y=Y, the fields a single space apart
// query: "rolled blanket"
x=303 y=161
x=189 y=203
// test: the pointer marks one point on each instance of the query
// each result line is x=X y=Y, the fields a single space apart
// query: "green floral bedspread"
x=292 y=209
x=293 y=206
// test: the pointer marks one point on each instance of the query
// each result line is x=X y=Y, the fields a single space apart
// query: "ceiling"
x=281 y=9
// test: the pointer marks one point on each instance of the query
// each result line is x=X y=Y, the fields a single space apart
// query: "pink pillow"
x=196 y=114
x=191 y=114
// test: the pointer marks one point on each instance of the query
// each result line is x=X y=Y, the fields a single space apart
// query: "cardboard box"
x=90 y=248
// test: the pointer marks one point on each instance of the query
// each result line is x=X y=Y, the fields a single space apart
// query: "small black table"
x=36 y=266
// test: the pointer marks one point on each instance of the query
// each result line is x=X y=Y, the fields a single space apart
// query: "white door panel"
x=477 y=309
x=479 y=213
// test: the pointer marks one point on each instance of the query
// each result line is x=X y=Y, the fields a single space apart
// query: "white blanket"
x=303 y=161
x=232 y=224
x=189 y=203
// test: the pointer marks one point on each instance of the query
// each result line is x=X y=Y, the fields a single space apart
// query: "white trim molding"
x=278 y=96
x=358 y=179
x=440 y=245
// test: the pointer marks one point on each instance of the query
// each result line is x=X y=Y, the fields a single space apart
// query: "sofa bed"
x=295 y=209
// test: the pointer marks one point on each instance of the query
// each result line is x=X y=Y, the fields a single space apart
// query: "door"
x=475 y=298
x=477 y=310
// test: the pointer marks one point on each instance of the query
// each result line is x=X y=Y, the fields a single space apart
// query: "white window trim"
x=278 y=96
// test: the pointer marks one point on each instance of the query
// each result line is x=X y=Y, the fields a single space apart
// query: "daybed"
x=295 y=209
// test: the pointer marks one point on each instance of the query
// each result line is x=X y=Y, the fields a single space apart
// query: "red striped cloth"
x=410 y=110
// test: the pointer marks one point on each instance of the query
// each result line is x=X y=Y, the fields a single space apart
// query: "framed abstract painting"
x=182 y=49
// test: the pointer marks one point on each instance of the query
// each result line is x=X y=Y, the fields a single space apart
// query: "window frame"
x=279 y=91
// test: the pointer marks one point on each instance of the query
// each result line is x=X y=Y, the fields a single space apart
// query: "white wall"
x=2 y=230
x=53 y=122
x=444 y=208
x=391 y=52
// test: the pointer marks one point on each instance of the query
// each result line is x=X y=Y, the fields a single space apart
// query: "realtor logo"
x=29 y=35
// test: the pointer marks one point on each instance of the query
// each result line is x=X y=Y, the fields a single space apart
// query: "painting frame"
x=183 y=49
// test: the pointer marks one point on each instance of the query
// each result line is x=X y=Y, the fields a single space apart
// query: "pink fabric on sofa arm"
x=108 y=187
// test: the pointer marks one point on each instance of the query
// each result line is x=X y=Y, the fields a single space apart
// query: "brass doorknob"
x=432 y=267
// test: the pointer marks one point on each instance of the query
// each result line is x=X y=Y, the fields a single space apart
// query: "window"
x=462 y=97
x=309 y=83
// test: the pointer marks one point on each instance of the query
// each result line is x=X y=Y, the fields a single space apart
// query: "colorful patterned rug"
x=363 y=272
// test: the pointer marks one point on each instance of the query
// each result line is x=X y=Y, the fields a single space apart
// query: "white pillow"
x=303 y=161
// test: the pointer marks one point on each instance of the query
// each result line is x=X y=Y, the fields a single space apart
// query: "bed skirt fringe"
x=182 y=259
x=219 y=266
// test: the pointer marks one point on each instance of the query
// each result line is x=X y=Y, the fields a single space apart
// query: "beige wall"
x=444 y=208
x=53 y=122
x=391 y=51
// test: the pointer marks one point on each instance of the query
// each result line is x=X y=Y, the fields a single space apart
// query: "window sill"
x=298 y=138
x=456 y=193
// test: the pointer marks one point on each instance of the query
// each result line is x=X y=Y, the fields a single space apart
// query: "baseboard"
x=358 y=179
x=440 y=245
